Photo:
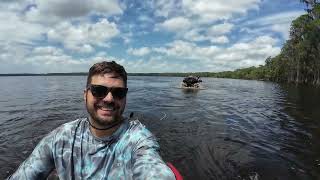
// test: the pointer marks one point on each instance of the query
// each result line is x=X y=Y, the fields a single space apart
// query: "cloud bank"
x=42 y=36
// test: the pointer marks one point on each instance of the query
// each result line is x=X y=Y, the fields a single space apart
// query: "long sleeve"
x=147 y=163
x=40 y=162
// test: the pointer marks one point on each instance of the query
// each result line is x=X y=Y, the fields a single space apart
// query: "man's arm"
x=40 y=162
x=147 y=163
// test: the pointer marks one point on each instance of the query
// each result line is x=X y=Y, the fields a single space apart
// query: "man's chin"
x=102 y=120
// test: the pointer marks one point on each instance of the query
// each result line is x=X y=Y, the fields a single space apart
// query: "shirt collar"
x=123 y=127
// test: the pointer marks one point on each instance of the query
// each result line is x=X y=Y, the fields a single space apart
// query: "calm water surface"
x=235 y=129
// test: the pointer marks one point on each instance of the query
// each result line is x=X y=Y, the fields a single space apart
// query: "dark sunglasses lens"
x=99 y=91
x=119 y=92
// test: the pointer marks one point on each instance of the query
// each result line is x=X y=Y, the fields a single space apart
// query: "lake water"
x=234 y=129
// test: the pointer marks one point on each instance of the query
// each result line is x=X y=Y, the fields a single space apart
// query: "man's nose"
x=108 y=97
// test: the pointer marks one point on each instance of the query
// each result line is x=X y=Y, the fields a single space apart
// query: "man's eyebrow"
x=115 y=77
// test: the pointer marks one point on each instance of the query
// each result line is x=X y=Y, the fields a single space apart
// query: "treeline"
x=246 y=73
x=299 y=60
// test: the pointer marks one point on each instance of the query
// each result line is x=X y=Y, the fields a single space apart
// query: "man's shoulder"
x=67 y=129
x=138 y=132
x=70 y=126
x=135 y=126
x=73 y=124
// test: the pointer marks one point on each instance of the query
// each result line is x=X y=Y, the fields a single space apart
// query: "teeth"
x=106 y=109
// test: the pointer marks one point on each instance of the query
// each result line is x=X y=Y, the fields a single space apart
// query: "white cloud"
x=155 y=64
x=192 y=18
x=83 y=36
x=47 y=50
x=24 y=25
x=13 y=53
x=175 y=24
x=81 y=48
x=220 y=29
x=204 y=11
x=280 y=18
x=71 y=8
x=219 y=39
x=23 y=59
x=264 y=40
x=213 y=58
x=252 y=53
x=18 y=30
x=21 y=26
x=51 y=12
x=14 y=5
x=276 y=22
x=127 y=37
x=283 y=29
x=214 y=35
x=209 y=11
x=139 y=52
x=50 y=35
x=195 y=16
x=166 y=8
x=144 y=18
x=52 y=59
x=195 y=35
x=186 y=50
x=34 y=15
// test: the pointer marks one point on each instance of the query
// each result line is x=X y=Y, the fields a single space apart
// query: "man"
x=104 y=146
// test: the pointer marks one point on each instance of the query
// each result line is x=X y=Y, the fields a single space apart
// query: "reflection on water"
x=191 y=92
x=234 y=129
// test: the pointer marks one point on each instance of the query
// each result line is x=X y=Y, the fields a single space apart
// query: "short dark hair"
x=105 y=67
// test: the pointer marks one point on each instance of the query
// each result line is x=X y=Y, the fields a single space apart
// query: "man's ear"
x=85 y=95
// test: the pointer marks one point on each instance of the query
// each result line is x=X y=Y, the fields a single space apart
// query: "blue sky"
x=45 y=36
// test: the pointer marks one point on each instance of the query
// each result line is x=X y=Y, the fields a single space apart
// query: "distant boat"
x=191 y=82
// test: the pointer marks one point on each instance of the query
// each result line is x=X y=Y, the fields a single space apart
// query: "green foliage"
x=300 y=54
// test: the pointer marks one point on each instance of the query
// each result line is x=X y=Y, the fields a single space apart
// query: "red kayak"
x=175 y=171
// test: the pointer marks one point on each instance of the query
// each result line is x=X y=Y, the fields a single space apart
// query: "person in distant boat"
x=198 y=79
x=103 y=146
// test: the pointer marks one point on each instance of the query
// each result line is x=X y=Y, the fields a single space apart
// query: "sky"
x=145 y=36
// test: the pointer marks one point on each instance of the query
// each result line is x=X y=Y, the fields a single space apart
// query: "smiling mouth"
x=106 y=108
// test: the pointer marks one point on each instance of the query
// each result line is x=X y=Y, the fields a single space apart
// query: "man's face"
x=107 y=110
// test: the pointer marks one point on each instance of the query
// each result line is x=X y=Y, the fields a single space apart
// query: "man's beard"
x=98 y=120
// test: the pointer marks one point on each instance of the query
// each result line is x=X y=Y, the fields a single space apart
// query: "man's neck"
x=103 y=132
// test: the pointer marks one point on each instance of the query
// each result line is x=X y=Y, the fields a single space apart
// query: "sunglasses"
x=100 y=92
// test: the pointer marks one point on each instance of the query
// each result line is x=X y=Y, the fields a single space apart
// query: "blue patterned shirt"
x=131 y=152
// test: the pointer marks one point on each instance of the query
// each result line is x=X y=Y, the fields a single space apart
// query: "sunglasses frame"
x=108 y=89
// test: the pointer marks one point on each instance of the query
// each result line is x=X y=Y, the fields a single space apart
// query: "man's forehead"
x=111 y=77
x=107 y=75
